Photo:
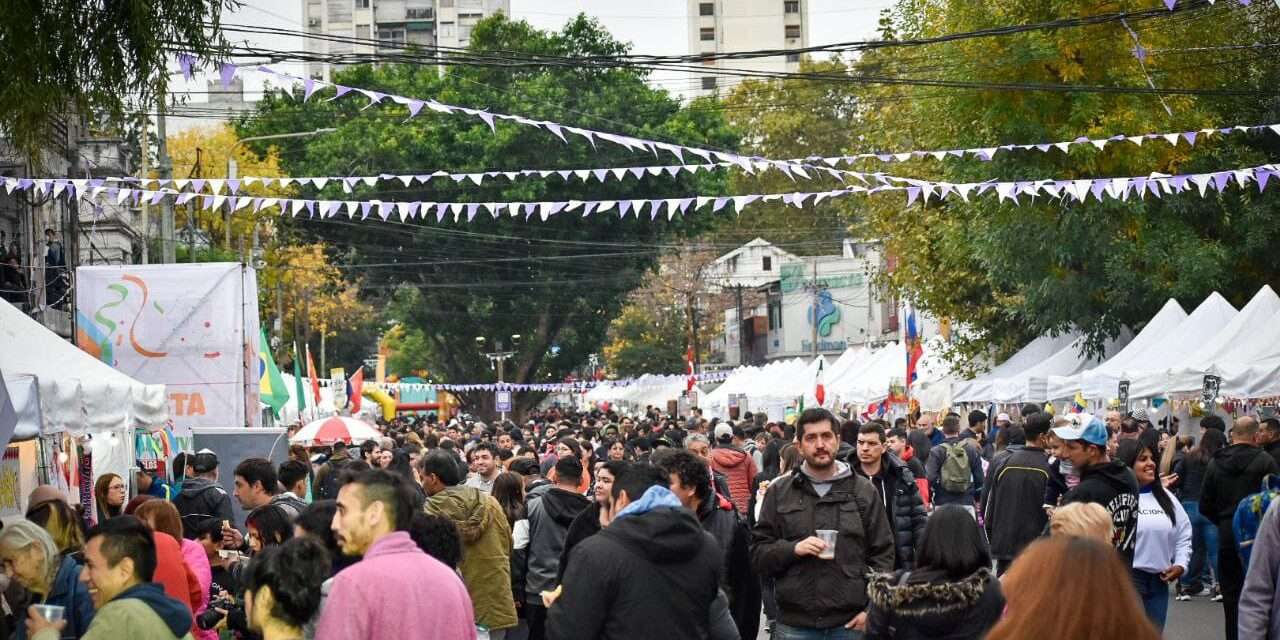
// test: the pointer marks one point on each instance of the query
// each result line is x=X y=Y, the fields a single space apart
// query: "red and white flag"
x=820 y=388
x=688 y=356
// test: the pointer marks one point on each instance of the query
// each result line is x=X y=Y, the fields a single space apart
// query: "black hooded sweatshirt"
x=1234 y=473
x=1112 y=485
x=551 y=510
x=648 y=575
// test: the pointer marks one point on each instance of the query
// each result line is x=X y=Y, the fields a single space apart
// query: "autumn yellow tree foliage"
x=310 y=293
x=202 y=152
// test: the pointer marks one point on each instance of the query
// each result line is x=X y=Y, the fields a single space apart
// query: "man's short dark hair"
x=438 y=537
x=897 y=432
x=1030 y=408
x=204 y=463
x=259 y=470
x=392 y=490
x=873 y=427
x=1037 y=424
x=127 y=537
x=849 y=432
x=1271 y=424
x=525 y=467
x=484 y=446
x=1213 y=422
x=951 y=425
x=814 y=416
x=692 y=470
x=339 y=445
x=569 y=468
x=636 y=479
x=976 y=418
x=291 y=472
x=444 y=465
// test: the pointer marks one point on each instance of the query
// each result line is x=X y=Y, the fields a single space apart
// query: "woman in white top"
x=1163 y=548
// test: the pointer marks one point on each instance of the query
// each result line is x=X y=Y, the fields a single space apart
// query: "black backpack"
x=327 y=489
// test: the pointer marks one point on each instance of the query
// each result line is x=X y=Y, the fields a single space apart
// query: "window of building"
x=362 y=4
x=792 y=31
x=708 y=83
x=775 y=314
x=793 y=57
x=446 y=4
x=362 y=31
x=707 y=33
x=766 y=263
x=391 y=37
x=446 y=30
x=791 y=6
x=707 y=9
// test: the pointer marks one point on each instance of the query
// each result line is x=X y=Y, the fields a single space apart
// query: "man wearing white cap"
x=1102 y=480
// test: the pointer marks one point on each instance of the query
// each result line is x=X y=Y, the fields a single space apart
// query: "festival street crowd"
x=599 y=525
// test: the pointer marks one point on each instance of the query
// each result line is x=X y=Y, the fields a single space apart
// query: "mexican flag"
x=271 y=388
x=820 y=387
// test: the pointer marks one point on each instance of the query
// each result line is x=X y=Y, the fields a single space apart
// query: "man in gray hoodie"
x=552 y=509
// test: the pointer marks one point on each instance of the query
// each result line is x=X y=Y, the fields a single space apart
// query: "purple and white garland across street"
x=1156 y=184
x=552 y=387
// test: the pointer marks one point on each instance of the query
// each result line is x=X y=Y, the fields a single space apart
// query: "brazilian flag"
x=271 y=389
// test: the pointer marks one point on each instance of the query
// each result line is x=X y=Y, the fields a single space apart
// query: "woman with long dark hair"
x=952 y=592
x=1189 y=472
x=508 y=490
x=1068 y=588
x=109 y=494
x=1163 y=548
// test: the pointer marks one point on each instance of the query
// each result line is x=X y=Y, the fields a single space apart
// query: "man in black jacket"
x=821 y=590
x=691 y=482
x=896 y=487
x=652 y=573
x=552 y=509
x=1102 y=480
x=1269 y=437
x=1234 y=473
x=201 y=496
x=1014 y=504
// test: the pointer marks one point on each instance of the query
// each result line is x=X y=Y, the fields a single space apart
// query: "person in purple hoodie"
x=374 y=598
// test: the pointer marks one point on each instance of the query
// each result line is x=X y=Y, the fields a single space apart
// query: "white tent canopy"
x=78 y=393
x=1231 y=353
x=1102 y=381
x=980 y=389
x=870 y=382
x=1032 y=384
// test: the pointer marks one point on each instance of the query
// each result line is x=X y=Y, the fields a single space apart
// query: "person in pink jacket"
x=163 y=517
x=373 y=598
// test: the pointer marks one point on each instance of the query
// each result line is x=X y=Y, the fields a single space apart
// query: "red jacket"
x=173 y=574
x=739 y=468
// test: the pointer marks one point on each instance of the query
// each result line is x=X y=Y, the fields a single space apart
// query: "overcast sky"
x=653 y=27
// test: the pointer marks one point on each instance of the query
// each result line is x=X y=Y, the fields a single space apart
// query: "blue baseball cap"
x=1094 y=432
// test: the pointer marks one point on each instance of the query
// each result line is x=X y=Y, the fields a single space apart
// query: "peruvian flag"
x=689 y=382
x=820 y=387
x=311 y=373
x=355 y=388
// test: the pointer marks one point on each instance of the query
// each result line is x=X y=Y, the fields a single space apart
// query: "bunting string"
x=1122 y=188
x=577 y=386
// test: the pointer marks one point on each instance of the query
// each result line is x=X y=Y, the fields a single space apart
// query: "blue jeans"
x=1154 y=594
x=1204 y=550
x=784 y=632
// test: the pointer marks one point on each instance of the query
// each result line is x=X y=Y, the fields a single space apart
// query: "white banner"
x=191 y=327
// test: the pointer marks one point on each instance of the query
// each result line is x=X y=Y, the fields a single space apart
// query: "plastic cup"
x=50 y=612
x=829 y=537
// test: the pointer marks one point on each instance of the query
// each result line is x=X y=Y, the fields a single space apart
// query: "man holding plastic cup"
x=821 y=529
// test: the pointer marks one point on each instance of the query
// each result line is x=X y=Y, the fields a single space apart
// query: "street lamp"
x=498 y=357
x=232 y=167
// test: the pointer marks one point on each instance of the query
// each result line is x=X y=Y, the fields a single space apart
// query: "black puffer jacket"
x=928 y=605
x=1234 y=473
x=897 y=488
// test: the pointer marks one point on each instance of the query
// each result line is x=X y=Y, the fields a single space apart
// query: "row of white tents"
x=1171 y=354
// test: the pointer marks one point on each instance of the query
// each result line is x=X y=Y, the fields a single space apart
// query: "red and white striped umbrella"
x=333 y=429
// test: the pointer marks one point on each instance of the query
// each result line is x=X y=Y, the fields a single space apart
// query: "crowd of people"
x=597 y=525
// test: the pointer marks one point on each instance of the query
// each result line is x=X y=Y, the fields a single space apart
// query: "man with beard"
x=821 y=591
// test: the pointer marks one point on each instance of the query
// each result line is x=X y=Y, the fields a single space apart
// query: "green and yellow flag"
x=271 y=389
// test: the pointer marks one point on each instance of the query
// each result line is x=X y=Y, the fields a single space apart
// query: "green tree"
x=1010 y=272
x=88 y=56
x=556 y=283
x=644 y=340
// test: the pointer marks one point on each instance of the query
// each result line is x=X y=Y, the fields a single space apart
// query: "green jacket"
x=486 y=551
x=123 y=618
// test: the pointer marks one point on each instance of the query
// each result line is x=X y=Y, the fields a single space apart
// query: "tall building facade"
x=371 y=26
x=725 y=26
